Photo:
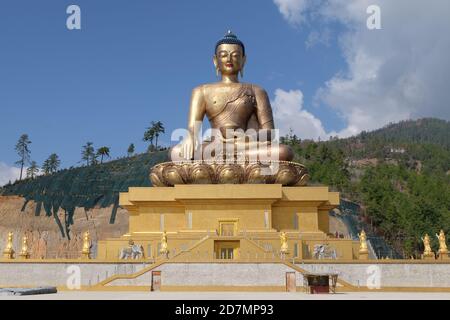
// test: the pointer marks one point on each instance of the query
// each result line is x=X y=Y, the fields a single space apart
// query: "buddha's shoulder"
x=217 y=85
x=257 y=88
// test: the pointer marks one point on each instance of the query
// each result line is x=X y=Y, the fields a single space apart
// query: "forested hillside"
x=97 y=185
x=399 y=175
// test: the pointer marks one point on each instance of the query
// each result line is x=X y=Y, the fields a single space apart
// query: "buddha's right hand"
x=190 y=145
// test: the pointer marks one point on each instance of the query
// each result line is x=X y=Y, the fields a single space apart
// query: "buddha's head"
x=229 y=56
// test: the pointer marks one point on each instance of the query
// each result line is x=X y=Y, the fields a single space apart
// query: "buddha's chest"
x=240 y=99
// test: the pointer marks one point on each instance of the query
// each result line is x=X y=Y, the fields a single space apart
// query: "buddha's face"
x=229 y=59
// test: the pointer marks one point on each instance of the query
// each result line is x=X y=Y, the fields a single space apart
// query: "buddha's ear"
x=244 y=59
x=216 y=65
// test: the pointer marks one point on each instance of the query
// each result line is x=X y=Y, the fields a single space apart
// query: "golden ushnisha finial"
x=24 y=254
x=8 y=253
x=86 y=250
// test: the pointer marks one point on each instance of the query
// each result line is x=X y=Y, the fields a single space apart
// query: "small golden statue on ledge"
x=24 y=254
x=443 y=251
x=8 y=253
x=164 y=250
x=86 y=250
x=284 y=244
x=363 y=249
x=243 y=146
x=363 y=242
x=427 y=252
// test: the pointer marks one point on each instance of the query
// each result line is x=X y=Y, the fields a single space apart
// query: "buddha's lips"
x=229 y=65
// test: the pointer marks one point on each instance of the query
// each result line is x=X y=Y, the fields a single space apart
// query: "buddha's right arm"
x=196 y=114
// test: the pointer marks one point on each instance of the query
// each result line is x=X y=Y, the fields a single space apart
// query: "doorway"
x=291 y=286
x=226 y=250
x=228 y=228
x=156 y=281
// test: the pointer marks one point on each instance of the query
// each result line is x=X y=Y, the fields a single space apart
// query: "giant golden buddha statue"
x=243 y=146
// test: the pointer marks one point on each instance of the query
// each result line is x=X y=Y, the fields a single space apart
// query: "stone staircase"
x=188 y=255
x=159 y=261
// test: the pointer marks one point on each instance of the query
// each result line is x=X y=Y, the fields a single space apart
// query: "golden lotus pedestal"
x=286 y=173
x=229 y=221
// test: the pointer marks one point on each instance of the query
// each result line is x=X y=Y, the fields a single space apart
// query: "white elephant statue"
x=133 y=251
x=323 y=251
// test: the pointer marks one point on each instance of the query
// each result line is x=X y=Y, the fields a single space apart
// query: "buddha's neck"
x=232 y=78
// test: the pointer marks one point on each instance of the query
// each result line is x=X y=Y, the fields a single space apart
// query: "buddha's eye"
x=223 y=54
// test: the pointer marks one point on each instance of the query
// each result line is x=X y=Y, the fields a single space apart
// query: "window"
x=227 y=229
x=226 y=253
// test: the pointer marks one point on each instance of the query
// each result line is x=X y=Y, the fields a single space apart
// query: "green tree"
x=130 y=150
x=88 y=153
x=33 y=170
x=103 y=152
x=51 y=165
x=149 y=136
x=23 y=151
x=158 y=128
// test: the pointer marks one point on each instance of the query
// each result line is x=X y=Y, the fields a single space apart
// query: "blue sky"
x=137 y=61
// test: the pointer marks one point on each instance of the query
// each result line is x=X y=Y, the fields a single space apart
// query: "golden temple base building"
x=231 y=222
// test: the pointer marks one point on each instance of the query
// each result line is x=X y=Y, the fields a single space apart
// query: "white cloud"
x=318 y=38
x=289 y=115
x=293 y=10
x=8 y=173
x=401 y=71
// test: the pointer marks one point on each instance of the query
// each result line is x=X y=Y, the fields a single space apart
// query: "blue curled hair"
x=230 y=38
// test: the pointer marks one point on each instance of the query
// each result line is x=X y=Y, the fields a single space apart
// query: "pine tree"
x=51 y=165
x=149 y=136
x=23 y=151
x=33 y=170
x=88 y=153
x=130 y=150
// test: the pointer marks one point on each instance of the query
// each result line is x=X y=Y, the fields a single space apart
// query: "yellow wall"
x=149 y=219
x=283 y=218
x=207 y=217
x=246 y=204
x=324 y=221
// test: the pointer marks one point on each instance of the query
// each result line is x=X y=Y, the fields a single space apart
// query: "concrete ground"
x=121 y=295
